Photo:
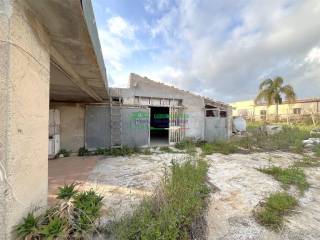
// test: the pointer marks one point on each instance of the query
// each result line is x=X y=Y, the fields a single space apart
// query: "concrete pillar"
x=24 y=110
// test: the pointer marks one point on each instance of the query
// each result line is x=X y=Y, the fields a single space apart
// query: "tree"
x=273 y=91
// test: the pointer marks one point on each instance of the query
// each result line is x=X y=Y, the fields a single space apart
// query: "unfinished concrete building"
x=53 y=85
x=152 y=113
x=50 y=57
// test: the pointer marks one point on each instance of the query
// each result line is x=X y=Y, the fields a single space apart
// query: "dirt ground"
x=68 y=170
x=124 y=181
x=242 y=187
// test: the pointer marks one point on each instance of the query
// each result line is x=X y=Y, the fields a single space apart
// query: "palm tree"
x=273 y=91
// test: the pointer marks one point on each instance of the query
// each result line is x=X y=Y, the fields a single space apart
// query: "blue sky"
x=220 y=49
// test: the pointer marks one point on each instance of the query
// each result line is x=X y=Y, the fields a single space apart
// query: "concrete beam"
x=62 y=63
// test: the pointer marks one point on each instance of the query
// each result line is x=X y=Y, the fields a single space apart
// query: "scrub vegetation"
x=256 y=140
x=188 y=145
x=173 y=209
x=63 y=152
x=272 y=212
x=289 y=139
x=288 y=176
x=119 y=151
x=307 y=162
x=219 y=147
x=74 y=217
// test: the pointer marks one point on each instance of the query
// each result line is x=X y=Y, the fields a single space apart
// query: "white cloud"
x=118 y=43
x=120 y=27
x=313 y=56
x=153 y=6
x=228 y=47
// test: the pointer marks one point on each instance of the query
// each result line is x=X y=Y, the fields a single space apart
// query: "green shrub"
x=123 y=151
x=100 y=151
x=185 y=144
x=28 y=228
x=147 y=151
x=167 y=149
x=63 y=152
x=219 y=147
x=169 y=213
x=288 y=176
x=307 y=162
x=83 y=151
x=87 y=207
x=289 y=139
x=74 y=217
x=275 y=208
x=54 y=229
x=67 y=191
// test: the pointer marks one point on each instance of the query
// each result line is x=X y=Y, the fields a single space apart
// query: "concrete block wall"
x=24 y=111
x=72 y=125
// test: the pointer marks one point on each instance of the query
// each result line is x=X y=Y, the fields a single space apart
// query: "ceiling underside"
x=69 y=36
x=63 y=89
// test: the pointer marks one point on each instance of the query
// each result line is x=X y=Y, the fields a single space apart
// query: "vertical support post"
x=24 y=114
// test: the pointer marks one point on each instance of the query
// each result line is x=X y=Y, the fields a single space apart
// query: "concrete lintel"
x=74 y=76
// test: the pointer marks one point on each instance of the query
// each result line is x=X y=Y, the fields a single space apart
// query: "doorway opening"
x=159 y=126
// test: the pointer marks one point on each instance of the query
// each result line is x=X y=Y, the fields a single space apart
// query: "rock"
x=311 y=142
x=271 y=129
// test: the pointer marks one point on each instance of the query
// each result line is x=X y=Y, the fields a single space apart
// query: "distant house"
x=298 y=110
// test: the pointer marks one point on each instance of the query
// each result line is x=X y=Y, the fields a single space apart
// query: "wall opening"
x=159 y=126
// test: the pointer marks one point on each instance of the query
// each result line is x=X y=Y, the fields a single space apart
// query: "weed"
x=67 y=191
x=169 y=213
x=307 y=162
x=147 y=151
x=73 y=218
x=63 y=152
x=167 y=149
x=100 y=151
x=28 y=228
x=83 y=151
x=219 y=147
x=288 y=176
x=122 y=151
x=55 y=229
x=289 y=139
x=274 y=209
x=188 y=145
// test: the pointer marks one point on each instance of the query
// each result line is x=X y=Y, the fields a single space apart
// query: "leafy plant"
x=56 y=228
x=274 y=209
x=28 y=228
x=166 y=149
x=74 y=217
x=83 y=151
x=307 y=162
x=223 y=147
x=147 y=151
x=123 y=151
x=67 y=191
x=288 y=176
x=63 y=152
